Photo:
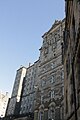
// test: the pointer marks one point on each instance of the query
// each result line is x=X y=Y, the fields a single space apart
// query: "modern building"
x=72 y=60
x=50 y=88
x=3 y=103
x=21 y=104
x=39 y=89
x=14 y=102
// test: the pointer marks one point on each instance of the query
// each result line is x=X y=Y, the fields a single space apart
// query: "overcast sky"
x=22 y=23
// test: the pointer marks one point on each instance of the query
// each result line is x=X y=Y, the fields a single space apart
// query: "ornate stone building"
x=40 y=90
x=72 y=60
x=50 y=87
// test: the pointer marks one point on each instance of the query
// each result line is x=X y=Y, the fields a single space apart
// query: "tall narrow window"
x=52 y=94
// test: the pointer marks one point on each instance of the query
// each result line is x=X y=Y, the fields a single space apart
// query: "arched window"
x=51 y=112
x=41 y=115
x=41 y=112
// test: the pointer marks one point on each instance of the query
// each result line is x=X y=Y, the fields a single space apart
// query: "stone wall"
x=72 y=60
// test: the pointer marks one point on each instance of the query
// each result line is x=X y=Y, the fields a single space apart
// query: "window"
x=45 y=50
x=44 y=68
x=3 y=107
x=62 y=75
x=52 y=79
x=54 y=47
x=62 y=90
x=49 y=94
x=41 y=115
x=51 y=113
x=42 y=98
x=43 y=83
x=52 y=94
x=52 y=65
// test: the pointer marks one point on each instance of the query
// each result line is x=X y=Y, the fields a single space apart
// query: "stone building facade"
x=28 y=95
x=50 y=87
x=3 y=103
x=40 y=92
x=72 y=60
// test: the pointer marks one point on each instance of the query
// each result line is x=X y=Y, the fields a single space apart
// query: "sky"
x=22 y=23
